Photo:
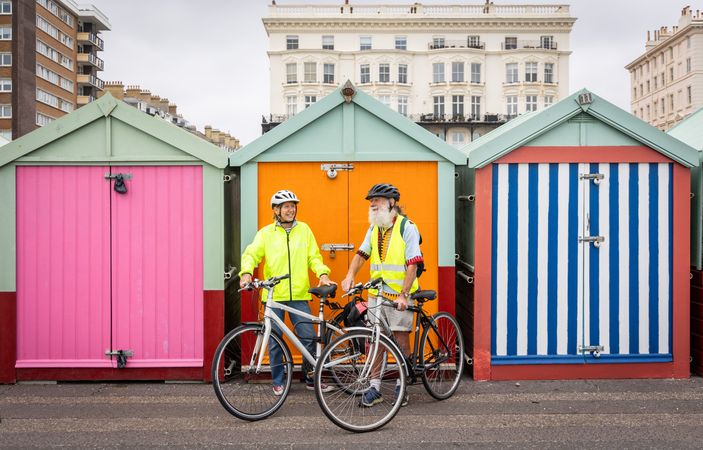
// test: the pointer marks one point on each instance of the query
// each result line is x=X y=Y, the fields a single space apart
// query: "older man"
x=394 y=256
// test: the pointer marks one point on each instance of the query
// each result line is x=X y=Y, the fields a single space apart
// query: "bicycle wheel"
x=353 y=360
x=442 y=356
x=243 y=391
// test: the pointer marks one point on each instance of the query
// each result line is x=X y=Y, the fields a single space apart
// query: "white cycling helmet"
x=283 y=196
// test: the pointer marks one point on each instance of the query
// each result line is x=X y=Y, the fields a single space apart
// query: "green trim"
x=348 y=127
x=337 y=157
x=249 y=194
x=8 y=232
x=213 y=229
x=524 y=129
x=105 y=108
x=445 y=214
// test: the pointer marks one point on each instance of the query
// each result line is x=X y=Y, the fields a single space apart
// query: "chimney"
x=115 y=88
x=208 y=131
x=133 y=91
x=154 y=101
x=172 y=109
x=144 y=96
x=163 y=105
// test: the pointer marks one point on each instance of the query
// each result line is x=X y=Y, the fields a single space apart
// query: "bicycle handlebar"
x=357 y=288
x=266 y=284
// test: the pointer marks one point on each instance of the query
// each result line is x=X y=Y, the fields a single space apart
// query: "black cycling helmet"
x=383 y=190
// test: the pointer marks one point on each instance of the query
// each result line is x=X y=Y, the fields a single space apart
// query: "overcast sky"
x=209 y=57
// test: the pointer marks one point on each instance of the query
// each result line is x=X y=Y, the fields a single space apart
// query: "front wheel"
x=353 y=363
x=245 y=391
x=442 y=356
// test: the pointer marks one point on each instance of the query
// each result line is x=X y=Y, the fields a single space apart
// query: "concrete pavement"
x=534 y=414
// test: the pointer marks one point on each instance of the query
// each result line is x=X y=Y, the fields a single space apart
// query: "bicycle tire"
x=442 y=356
x=353 y=369
x=244 y=393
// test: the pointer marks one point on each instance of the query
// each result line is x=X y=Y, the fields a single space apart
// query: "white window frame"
x=438 y=72
x=384 y=73
x=365 y=43
x=309 y=100
x=403 y=105
x=549 y=73
x=476 y=107
x=328 y=42
x=511 y=73
x=328 y=73
x=6 y=111
x=438 y=42
x=403 y=73
x=292 y=42
x=511 y=105
x=457 y=71
x=438 y=106
x=5 y=59
x=5 y=8
x=476 y=73
x=457 y=105
x=531 y=68
x=309 y=72
x=458 y=139
x=510 y=43
x=401 y=42
x=364 y=73
x=291 y=105
x=473 y=41
x=385 y=99
x=530 y=103
x=5 y=84
x=5 y=33
x=43 y=119
x=688 y=65
x=548 y=100
x=291 y=75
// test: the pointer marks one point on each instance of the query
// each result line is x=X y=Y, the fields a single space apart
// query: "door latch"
x=332 y=169
x=121 y=355
x=594 y=350
x=595 y=240
x=332 y=248
x=595 y=177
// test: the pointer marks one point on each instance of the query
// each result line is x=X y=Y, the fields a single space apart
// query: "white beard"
x=381 y=217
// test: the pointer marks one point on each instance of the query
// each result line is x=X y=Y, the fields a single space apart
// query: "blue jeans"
x=303 y=329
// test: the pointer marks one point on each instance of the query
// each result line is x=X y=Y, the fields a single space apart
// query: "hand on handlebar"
x=245 y=281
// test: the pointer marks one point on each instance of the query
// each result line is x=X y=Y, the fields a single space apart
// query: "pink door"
x=63 y=267
x=157 y=266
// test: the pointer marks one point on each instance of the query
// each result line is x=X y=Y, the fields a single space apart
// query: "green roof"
x=328 y=106
x=108 y=106
x=689 y=130
x=520 y=131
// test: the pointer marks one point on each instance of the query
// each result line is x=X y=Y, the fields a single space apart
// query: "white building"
x=666 y=82
x=458 y=70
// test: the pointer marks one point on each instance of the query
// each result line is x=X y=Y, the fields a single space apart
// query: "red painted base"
x=68 y=374
x=446 y=290
x=697 y=322
x=8 y=336
x=213 y=328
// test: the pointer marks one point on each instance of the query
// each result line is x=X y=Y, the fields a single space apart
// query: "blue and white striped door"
x=556 y=296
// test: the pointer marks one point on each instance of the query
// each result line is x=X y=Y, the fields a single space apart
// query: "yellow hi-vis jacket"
x=285 y=252
x=393 y=268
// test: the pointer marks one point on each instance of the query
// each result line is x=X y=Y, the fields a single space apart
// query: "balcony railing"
x=456 y=44
x=92 y=59
x=90 y=79
x=417 y=9
x=93 y=38
x=448 y=118
x=84 y=99
x=544 y=45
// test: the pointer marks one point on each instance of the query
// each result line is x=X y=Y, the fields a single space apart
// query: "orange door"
x=337 y=212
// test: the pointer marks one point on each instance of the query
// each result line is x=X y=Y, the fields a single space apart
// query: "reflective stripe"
x=388 y=267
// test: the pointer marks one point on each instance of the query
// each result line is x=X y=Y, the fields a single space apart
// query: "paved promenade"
x=550 y=414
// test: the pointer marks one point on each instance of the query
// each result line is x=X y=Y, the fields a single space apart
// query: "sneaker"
x=323 y=387
x=371 y=397
x=404 y=401
x=278 y=391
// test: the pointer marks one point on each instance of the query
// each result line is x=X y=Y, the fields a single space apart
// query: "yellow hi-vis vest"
x=393 y=267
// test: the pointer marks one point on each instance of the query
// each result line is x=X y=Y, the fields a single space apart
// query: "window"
x=328 y=73
x=438 y=72
x=54 y=32
x=663 y=80
x=634 y=92
x=5 y=33
x=671 y=74
x=328 y=42
x=5 y=59
x=549 y=72
x=656 y=107
x=663 y=110
x=647 y=86
x=475 y=72
x=511 y=102
x=647 y=116
x=688 y=42
x=530 y=72
x=43 y=119
x=291 y=105
x=310 y=72
x=5 y=111
x=7 y=134
x=547 y=42
x=291 y=42
x=457 y=106
x=689 y=94
x=458 y=72
x=655 y=82
x=671 y=53
x=54 y=78
x=403 y=105
x=5 y=85
x=384 y=73
x=476 y=107
x=671 y=102
x=530 y=103
x=511 y=73
x=365 y=43
x=365 y=75
x=438 y=102
x=403 y=73
x=6 y=7
x=458 y=139
x=688 y=65
x=474 y=42
x=510 y=43
x=52 y=100
x=310 y=99
x=548 y=100
x=385 y=99
x=401 y=43
x=438 y=42
x=291 y=73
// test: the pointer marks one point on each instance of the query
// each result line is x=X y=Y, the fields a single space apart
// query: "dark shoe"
x=371 y=398
x=404 y=401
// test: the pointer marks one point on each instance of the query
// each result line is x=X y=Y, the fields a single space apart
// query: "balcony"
x=84 y=99
x=541 y=45
x=89 y=58
x=83 y=79
x=92 y=38
x=434 y=45
x=455 y=118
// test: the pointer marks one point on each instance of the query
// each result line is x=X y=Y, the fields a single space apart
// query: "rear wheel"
x=244 y=391
x=442 y=356
x=352 y=361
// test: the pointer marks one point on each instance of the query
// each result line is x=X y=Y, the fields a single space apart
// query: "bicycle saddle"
x=324 y=291
x=423 y=296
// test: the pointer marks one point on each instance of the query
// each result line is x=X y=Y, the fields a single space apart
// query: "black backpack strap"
x=402 y=228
